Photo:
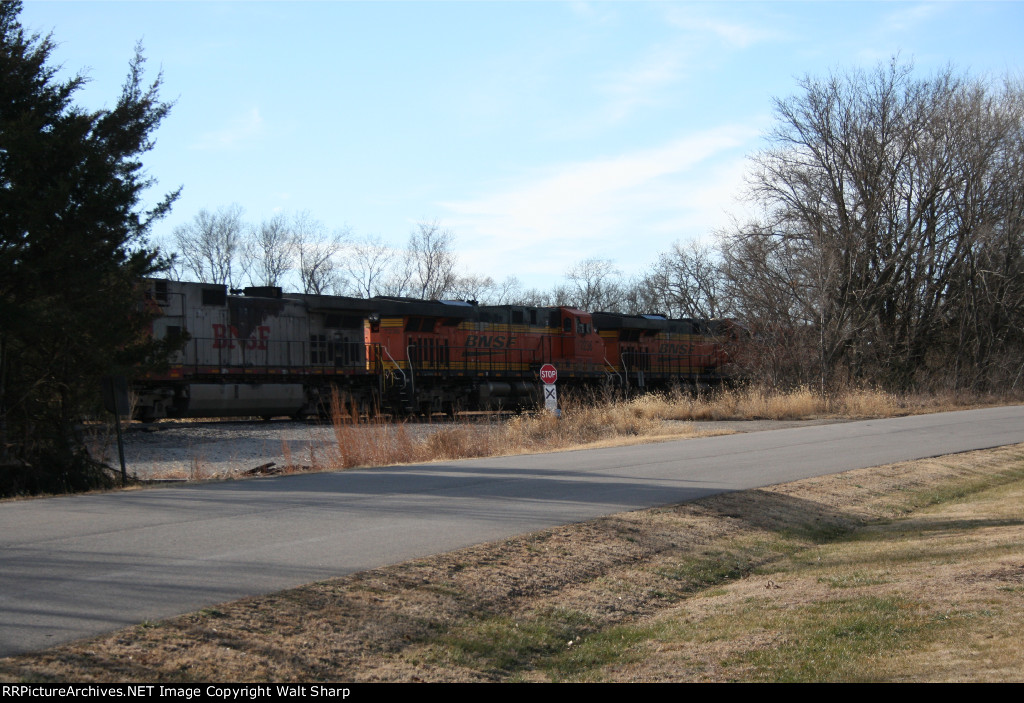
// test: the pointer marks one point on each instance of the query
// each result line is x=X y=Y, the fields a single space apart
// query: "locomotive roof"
x=337 y=303
x=388 y=305
x=455 y=309
x=682 y=325
x=620 y=321
x=382 y=305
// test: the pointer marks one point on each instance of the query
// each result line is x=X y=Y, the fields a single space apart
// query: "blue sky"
x=541 y=133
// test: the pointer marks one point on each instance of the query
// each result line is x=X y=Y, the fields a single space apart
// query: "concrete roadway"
x=82 y=565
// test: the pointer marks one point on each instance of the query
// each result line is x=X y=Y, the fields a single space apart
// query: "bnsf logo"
x=225 y=337
x=669 y=348
x=483 y=341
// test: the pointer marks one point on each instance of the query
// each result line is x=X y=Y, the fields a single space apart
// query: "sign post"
x=549 y=374
x=115 y=399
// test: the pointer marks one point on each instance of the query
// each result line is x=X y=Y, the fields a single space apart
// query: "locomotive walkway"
x=81 y=565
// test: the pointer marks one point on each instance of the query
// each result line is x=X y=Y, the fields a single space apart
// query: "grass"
x=361 y=442
x=834 y=640
x=758 y=402
x=589 y=422
x=912 y=571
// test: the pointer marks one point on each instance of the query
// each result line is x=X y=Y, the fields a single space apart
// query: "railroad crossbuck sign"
x=549 y=374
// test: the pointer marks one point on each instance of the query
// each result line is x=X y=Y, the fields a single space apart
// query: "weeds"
x=586 y=420
x=375 y=441
x=197 y=470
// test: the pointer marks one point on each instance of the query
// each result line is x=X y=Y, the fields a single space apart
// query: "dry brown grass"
x=588 y=422
x=758 y=402
x=912 y=571
x=928 y=588
x=362 y=442
x=761 y=403
x=748 y=403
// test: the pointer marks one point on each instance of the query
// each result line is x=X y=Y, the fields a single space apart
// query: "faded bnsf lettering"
x=226 y=337
x=496 y=341
x=678 y=348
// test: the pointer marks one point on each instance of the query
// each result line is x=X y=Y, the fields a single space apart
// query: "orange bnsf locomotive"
x=650 y=350
x=447 y=355
x=265 y=353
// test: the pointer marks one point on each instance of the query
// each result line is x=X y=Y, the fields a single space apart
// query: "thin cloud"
x=892 y=29
x=243 y=130
x=734 y=34
x=621 y=207
x=600 y=13
x=641 y=84
x=911 y=17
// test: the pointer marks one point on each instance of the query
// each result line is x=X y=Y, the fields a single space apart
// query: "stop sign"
x=548 y=373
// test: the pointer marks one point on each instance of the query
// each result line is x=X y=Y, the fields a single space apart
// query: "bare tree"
x=366 y=263
x=642 y=296
x=432 y=257
x=270 y=252
x=401 y=276
x=883 y=194
x=168 y=245
x=534 y=297
x=688 y=281
x=760 y=274
x=210 y=245
x=592 y=284
x=985 y=296
x=508 y=292
x=317 y=253
x=474 y=287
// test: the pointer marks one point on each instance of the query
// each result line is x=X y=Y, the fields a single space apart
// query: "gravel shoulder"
x=210 y=450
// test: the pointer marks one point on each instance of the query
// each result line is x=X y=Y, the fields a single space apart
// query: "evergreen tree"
x=72 y=250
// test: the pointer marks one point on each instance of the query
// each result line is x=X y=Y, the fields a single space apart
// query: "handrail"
x=614 y=370
x=412 y=376
x=397 y=367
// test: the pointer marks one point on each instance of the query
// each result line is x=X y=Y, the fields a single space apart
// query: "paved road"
x=81 y=565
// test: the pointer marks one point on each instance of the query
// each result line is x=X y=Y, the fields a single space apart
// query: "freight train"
x=265 y=353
